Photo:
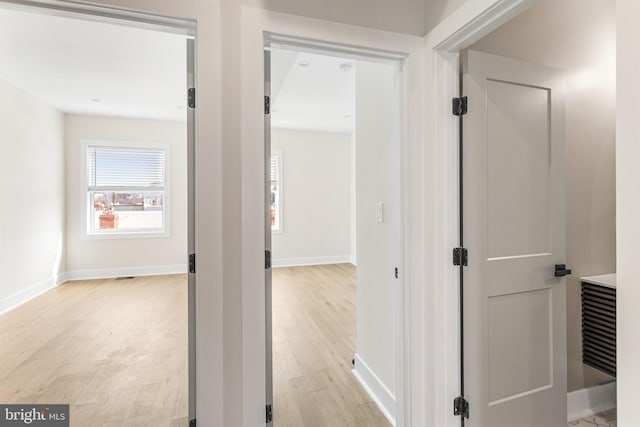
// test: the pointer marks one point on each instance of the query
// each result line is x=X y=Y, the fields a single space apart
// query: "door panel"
x=519 y=350
x=518 y=169
x=267 y=238
x=515 y=333
x=191 y=225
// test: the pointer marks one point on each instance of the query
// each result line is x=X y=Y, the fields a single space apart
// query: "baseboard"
x=588 y=401
x=19 y=298
x=352 y=260
x=322 y=260
x=109 y=273
x=380 y=394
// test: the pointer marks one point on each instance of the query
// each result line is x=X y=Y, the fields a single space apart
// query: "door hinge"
x=192 y=423
x=267 y=259
x=460 y=106
x=191 y=97
x=396 y=272
x=267 y=104
x=269 y=414
x=460 y=256
x=192 y=263
x=461 y=407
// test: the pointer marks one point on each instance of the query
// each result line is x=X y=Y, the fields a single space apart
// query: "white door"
x=514 y=223
x=268 y=308
x=191 y=239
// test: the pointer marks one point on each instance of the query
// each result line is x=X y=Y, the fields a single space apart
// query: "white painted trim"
x=318 y=46
x=62 y=277
x=321 y=260
x=25 y=295
x=109 y=273
x=588 y=401
x=107 y=14
x=380 y=394
x=467 y=24
x=352 y=260
x=255 y=22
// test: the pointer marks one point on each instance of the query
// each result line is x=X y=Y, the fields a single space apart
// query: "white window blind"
x=123 y=168
x=275 y=168
x=126 y=189
x=276 y=190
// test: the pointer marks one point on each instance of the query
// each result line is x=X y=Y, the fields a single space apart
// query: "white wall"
x=436 y=11
x=414 y=17
x=376 y=182
x=88 y=258
x=585 y=50
x=381 y=14
x=628 y=209
x=316 y=168
x=32 y=193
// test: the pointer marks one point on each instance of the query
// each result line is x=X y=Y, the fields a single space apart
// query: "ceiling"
x=319 y=96
x=86 y=67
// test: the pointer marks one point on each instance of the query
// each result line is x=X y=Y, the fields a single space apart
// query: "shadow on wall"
x=415 y=17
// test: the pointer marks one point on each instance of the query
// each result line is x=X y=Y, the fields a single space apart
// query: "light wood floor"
x=314 y=341
x=115 y=350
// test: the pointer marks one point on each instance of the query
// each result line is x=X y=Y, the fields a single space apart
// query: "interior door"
x=514 y=221
x=191 y=225
x=267 y=238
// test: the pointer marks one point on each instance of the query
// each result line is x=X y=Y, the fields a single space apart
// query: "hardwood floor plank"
x=314 y=341
x=115 y=350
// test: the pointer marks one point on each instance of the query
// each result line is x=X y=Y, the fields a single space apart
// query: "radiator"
x=599 y=327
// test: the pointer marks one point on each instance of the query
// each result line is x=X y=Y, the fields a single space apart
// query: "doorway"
x=586 y=62
x=333 y=209
x=86 y=135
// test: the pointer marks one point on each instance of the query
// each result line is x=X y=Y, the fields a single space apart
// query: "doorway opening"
x=581 y=56
x=97 y=302
x=333 y=231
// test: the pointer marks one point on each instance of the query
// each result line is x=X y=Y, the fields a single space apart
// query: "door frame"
x=323 y=34
x=462 y=28
x=166 y=24
x=397 y=60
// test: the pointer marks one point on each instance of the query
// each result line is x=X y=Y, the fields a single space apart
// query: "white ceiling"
x=317 y=97
x=85 y=67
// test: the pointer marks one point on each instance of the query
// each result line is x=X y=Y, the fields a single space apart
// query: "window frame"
x=280 y=209
x=87 y=226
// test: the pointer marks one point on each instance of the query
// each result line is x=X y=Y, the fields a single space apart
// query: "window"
x=126 y=190
x=276 y=190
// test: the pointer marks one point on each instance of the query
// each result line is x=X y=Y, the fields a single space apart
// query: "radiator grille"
x=599 y=327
